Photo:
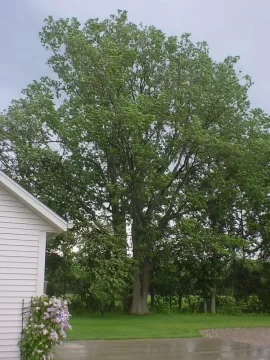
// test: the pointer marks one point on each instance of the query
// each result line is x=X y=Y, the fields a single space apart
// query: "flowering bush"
x=46 y=327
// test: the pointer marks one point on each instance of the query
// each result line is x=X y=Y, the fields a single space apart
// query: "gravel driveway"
x=253 y=336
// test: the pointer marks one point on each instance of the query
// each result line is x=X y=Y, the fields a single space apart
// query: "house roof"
x=34 y=204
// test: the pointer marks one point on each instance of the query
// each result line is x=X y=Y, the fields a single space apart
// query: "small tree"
x=105 y=267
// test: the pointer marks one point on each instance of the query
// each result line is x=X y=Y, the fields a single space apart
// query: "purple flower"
x=50 y=320
x=54 y=335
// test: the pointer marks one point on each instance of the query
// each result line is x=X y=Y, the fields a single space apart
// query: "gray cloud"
x=230 y=27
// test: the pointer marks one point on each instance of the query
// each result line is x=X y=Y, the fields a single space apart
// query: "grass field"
x=95 y=327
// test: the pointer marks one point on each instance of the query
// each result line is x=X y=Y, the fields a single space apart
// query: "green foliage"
x=254 y=305
x=104 y=268
x=136 y=130
x=77 y=305
x=60 y=264
x=226 y=305
x=192 y=304
x=189 y=305
x=229 y=305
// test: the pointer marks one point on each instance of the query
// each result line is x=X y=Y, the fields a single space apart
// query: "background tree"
x=60 y=265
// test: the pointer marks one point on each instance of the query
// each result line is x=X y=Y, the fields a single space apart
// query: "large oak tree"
x=125 y=129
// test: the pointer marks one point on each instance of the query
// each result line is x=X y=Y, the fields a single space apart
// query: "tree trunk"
x=140 y=290
x=205 y=306
x=213 y=301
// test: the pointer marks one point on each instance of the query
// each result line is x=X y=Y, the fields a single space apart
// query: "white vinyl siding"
x=20 y=248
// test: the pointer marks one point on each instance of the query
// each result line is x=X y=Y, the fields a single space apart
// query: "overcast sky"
x=231 y=27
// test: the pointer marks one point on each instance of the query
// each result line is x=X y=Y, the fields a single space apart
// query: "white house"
x=25 y=225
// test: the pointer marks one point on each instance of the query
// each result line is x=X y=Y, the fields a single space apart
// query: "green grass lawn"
x=95 y=327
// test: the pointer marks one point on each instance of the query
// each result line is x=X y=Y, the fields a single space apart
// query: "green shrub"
x=76 y=305
x=254 y=305
x=191 y=304
x=161 y=304
x=228 y=305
